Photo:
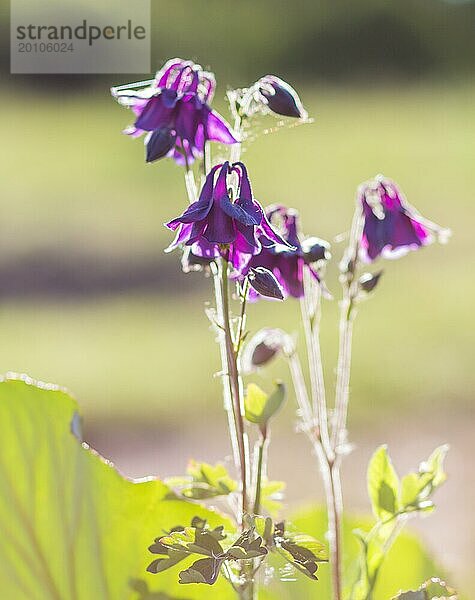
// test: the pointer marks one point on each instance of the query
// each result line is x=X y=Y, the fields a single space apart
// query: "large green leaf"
x=71 y=527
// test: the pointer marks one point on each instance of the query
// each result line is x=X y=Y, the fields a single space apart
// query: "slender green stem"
x=235 y=154
x=233 y=373
x=343 y=372
x=311 y=311
x=320 y=437
x=242 y=317
x=206 y=163
x=259 y=471
x=227 y=391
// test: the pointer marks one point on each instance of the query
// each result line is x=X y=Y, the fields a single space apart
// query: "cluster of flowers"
x=267 y=246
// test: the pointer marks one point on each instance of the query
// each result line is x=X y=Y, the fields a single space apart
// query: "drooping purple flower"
x=226 y=220
x=391 y=226
x=173 y=110
x=288 y=264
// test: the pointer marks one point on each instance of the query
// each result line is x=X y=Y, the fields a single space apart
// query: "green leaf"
x=416 y=488
x=215 y=477
x=259 y=406
x=204 y=481
x=72 y=526
x=271 y=496
x=302 y=551
x=194 y=541
x=247 y=546
x=420 y=595
x=383 y=484
x=265 y=528
x=407 y=564
x=432 y=589
x=204 y=570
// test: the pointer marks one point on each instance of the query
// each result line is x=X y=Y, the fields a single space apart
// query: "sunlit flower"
x=288 y=264
x=173 y=110
x=391 y=226
x=226 y=220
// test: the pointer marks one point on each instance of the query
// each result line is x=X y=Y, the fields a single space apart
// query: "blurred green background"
x=90 y=301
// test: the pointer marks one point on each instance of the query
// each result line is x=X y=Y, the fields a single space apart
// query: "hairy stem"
x=227 y=391
x=236 y=385
x=311 y=311
x=343 y=372
x=320 y=437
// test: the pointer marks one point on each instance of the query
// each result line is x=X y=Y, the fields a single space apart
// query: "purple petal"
x=221 y=187
x=267 y=229
x=188 y=117
x=217 y=130
x=246 y=240
x=198 y=211
x=180 y=238
x=220 y=228
x=156 y=115
x=168 y=68
x=205 y=249
x=236 y=212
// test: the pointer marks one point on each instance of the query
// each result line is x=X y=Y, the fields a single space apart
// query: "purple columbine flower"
x=173 y=110
x=288 y=264
x=391 y=226
x=226 y=220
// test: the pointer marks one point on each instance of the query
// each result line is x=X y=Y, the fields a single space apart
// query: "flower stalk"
x=261 y=447
x=235 y=384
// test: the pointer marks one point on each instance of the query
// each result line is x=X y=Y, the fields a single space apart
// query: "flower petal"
x=217 y=130
x=157 y=114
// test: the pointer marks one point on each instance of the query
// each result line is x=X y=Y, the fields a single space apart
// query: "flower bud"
x=159 y=144
x=281 y=98
x=315 y=249
x=263 y=281
x=368 y=281
x=263 y=347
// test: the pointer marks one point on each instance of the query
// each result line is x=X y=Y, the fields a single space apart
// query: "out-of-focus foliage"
x=407 y=565
x=393 y=502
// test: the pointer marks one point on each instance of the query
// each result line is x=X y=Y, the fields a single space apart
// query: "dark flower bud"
x=159 y=144
x=281 y=98
x=265 y=283
x=263 y=347
x=315 y=249
x=368 y=281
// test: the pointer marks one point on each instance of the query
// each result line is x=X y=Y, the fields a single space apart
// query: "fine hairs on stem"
x=235 y=383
